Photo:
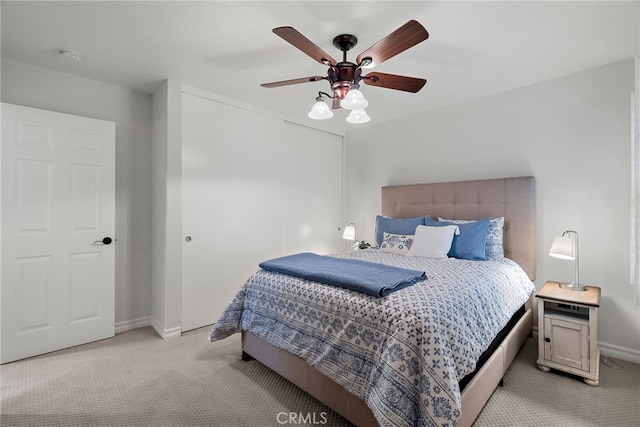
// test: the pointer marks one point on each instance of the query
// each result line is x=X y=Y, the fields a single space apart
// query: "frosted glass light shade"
x=566 y=247
x=354 y=100
x=320 y=111
x=562 y=247
x=349 y=232
x=358 y=116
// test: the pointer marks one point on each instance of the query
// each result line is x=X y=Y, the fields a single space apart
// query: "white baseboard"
x=128 y=325
x=142 y=322
x=164 y=332
x=617 y=352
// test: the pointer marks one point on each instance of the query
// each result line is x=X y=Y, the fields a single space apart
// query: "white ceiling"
x=475 y=48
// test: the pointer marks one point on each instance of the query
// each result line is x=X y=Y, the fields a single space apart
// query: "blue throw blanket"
x=368 y=277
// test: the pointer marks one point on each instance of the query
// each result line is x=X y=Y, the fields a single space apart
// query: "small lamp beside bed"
x=349 y=233
x=566 y=247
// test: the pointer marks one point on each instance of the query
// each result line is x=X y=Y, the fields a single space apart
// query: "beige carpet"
x=531 y=397
x=137 y=379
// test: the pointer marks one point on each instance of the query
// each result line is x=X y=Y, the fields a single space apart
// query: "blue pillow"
x=493 y=246
x=405 y=226
x=470 y=244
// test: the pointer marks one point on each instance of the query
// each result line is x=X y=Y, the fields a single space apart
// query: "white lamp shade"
x=354 y=100
x=562 y=247
x=349 y=232
x=320 y=111
x=358 y=116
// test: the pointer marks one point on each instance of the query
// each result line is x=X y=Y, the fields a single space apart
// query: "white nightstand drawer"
x=566 y=341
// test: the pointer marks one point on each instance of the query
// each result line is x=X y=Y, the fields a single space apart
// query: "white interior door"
x=58 y=204
x=253 y=188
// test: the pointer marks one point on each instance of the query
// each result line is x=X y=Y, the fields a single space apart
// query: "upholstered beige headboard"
x=511 y=198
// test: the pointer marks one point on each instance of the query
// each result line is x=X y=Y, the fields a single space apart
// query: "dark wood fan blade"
x=294 y=81
x=294 y=37
x=409 y=35
x=393 y=81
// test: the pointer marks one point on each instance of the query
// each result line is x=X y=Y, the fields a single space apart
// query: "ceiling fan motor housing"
x=342 y=77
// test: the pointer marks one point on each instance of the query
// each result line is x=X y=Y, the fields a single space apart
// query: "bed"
x=422 y=364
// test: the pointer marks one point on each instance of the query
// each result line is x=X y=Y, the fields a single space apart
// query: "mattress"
x=404 y=354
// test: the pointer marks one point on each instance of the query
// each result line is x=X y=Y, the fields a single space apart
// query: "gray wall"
x=38 y=87
x=573 y=134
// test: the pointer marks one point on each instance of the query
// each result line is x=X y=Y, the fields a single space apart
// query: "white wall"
x=166 y=268
x=38 y=87
x=573 y=134
x=173 y=242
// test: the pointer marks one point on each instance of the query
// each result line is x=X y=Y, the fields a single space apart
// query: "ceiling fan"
x=345 y=77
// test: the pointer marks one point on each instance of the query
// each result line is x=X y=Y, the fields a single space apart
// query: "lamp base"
x=572 y=286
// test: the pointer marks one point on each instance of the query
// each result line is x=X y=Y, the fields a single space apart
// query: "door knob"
x=105 y=241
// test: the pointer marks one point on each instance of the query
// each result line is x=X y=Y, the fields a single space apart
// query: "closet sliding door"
x=253 y=188
x=313 y=192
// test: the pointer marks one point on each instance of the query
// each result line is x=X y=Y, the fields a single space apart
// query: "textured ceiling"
x=475 y=48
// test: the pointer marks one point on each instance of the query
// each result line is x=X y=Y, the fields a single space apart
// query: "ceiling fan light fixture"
x=367 y=63
x=358 y=116
x=320 y=110
x=354 y=100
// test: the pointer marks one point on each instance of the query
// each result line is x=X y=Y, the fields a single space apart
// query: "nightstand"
x=568 y=331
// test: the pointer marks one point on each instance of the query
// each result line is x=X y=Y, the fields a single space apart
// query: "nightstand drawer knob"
x=547 y=339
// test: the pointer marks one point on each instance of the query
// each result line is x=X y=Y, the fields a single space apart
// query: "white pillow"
x=433 y=242
x=396 y=243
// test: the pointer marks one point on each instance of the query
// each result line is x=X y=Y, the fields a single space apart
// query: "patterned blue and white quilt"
x=404 y=354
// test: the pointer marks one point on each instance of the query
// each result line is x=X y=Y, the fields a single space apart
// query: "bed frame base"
x=478 y=392
x=296 y=370
x=474 y=396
